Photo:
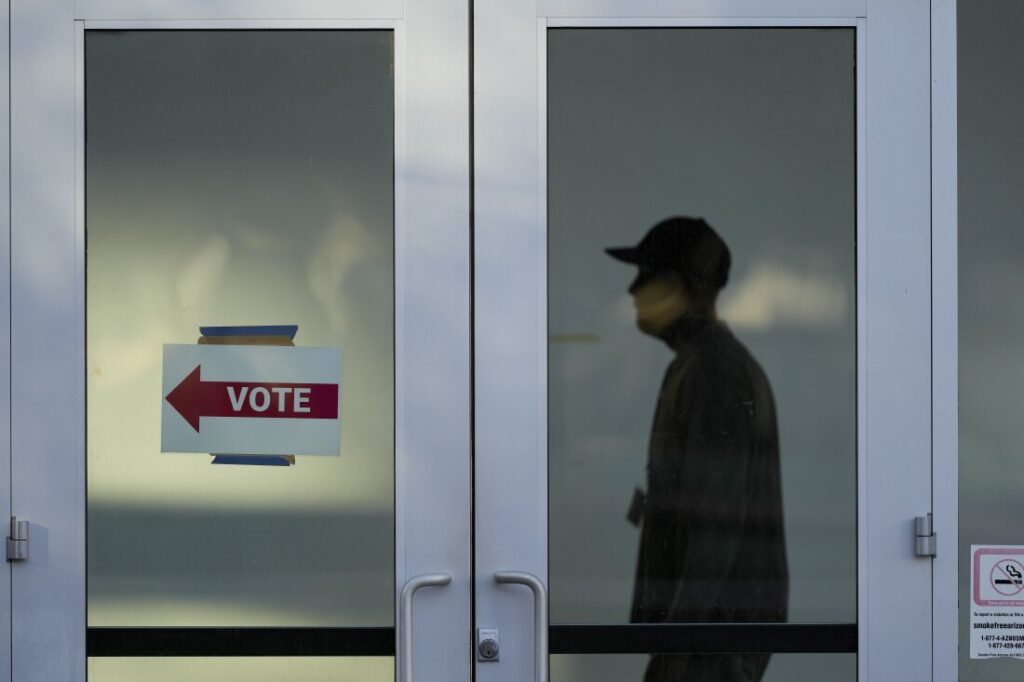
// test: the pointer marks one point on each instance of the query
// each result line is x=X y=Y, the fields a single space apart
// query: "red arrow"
x=194 y=398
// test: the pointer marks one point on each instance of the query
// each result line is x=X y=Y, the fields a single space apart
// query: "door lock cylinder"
x=487 y=645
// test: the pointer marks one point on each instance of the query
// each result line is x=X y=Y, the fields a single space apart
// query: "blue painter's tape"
x=288 y=330
x=257 y=460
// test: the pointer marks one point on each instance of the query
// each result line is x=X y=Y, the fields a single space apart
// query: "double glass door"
x=341 y=349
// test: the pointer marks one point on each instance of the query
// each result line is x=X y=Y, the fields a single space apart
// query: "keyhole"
x=488 y=648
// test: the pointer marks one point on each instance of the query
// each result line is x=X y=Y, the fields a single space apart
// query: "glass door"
x=979 y=315
x=240 y=306
x=702 y=290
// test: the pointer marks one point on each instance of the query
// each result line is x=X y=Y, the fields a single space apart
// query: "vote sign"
x=258 y=400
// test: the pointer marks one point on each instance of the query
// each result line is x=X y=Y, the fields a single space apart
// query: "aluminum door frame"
x=945 y=340
x=5 y=337
x=893 y=309
x=432 y=465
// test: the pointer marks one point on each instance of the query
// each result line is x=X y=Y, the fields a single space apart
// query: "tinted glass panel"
x=238 y=178
x=702 y=450
x=263 y=669
x=991 y=308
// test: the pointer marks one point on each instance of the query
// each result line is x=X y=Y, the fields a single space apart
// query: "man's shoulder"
x=718 y=357
x=717 y=345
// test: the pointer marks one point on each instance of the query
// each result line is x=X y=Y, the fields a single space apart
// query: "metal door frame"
x=67 y=647
x=5 y=338
x=945 y=339
x=432 y=439
x=894 y=305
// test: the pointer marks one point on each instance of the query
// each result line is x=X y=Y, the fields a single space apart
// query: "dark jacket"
x=712 y=547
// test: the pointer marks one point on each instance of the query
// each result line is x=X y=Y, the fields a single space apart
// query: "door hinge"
x=924 y=536
x=17 y=541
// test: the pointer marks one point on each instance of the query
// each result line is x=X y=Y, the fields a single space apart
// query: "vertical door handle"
x=404 y=644
x=540 y=617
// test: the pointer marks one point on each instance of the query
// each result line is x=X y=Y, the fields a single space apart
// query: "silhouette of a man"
x=711 y=544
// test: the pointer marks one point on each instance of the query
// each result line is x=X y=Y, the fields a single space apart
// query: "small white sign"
x=997 y=601
x=251 y=400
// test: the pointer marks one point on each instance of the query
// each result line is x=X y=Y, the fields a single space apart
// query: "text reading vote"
x=260 y=399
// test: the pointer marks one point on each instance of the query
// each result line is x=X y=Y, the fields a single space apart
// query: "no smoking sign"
x=997 y=601
x=998 y=576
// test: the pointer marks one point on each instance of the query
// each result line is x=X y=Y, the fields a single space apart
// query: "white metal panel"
x=5 y=337
x=432 y=261
x=48 y=463
x=895 y=618
x=945 y=422
x=234 y=9
x=862 y=337
x=509 y=328
x=717 y=9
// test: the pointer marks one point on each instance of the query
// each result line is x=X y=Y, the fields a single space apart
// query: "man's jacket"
x=712 y=547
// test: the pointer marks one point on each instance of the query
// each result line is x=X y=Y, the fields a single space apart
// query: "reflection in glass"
x=991 y=309
x=710 y=518
x=227 y=669
x=754 y=130
x=238 y=178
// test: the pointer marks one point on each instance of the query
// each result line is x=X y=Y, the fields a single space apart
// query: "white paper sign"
x=251 y=400
x=997 y=601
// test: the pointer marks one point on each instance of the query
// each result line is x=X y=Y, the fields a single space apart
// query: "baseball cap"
x=683 y=245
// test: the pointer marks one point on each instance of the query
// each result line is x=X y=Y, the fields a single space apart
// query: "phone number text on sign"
x=1004 y=641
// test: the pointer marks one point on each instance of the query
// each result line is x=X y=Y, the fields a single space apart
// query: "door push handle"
x=540 y=617
x=404 y=634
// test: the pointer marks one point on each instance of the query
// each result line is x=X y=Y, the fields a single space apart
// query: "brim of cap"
x=626 y=254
